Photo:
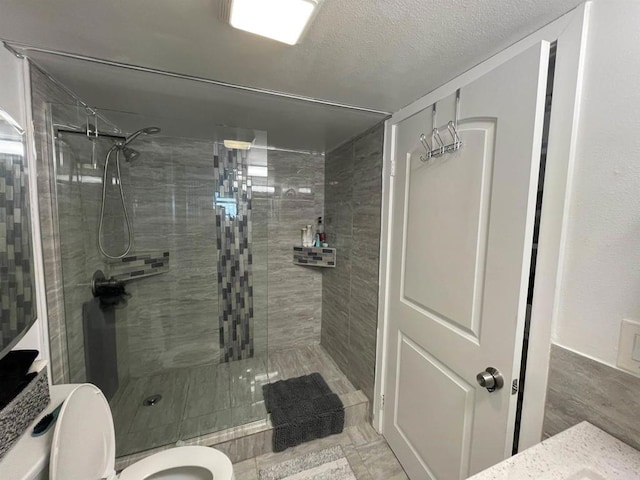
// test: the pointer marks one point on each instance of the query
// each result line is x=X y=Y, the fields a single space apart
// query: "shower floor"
x=209 y=398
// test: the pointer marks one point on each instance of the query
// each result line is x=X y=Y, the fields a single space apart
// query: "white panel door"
x=462 y=227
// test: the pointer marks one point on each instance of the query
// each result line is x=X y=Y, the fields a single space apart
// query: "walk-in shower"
x=178 y=343
x=206 y=305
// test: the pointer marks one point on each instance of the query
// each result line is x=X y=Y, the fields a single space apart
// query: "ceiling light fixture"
x=281 y=20
x=240 y=145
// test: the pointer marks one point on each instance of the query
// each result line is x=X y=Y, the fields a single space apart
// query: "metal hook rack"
x=438 y=147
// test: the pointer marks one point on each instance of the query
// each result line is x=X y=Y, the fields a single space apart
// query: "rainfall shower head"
x=134 y=135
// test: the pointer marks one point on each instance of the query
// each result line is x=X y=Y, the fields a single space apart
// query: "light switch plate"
x=629 y=346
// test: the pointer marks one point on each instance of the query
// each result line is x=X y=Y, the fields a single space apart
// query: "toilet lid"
x=84 y=444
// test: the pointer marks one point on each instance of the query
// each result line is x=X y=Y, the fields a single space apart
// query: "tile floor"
x=209 y=398
x=368 y=454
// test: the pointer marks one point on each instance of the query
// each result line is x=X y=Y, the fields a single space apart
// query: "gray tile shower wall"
x=582 y=389
x=43 y=90
x=173 y=317
x=353 y=193
x=295 y=198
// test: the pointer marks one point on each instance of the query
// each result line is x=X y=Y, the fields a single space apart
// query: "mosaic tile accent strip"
x=235 y=259
x=16 y=267
x=139 y=266
x=314 y=256
x=16 y=417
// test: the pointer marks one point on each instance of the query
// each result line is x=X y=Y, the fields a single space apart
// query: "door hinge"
x=381 y=401
x=393 y=168
x=514 y=387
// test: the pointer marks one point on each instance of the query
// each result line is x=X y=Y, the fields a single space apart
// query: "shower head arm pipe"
x=134 y=135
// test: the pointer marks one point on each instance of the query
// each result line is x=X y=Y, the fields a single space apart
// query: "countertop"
x=582 y=452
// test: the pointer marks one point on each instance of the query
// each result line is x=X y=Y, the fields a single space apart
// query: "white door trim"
x=570 y=33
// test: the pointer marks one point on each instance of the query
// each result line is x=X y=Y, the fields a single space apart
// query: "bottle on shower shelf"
x=320 y=231
x=310 y=236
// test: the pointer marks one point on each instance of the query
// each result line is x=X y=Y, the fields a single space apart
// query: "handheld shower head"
x=134 y=135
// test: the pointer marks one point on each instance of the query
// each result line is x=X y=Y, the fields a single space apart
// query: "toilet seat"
x=84 y=446
x=209 y=459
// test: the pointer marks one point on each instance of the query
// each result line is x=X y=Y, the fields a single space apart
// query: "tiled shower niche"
x=314 y=256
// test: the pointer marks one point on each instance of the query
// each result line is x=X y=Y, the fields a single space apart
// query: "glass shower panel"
x=177 y=340
x=77 y=191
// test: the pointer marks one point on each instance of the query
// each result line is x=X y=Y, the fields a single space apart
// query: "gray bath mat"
x=328 y=464
x=302 y=409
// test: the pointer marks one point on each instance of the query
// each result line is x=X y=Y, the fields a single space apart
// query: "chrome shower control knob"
x=491 y=379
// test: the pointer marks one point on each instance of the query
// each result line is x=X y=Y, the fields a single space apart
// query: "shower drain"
x=152 y=400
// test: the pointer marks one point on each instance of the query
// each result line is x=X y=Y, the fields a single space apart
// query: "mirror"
x=17 y=292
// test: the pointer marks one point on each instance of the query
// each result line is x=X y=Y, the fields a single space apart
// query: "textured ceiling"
x=380 y=54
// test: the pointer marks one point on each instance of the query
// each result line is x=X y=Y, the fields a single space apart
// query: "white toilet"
x=84 y=447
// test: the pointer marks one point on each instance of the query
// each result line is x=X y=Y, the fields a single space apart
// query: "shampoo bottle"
x=310 y=236
x=320 y=230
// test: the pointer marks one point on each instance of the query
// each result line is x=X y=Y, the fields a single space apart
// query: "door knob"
x=491 y=379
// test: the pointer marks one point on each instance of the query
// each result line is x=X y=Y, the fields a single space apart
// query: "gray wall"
x=353 y=193
x=600 y=274
x=172 y=317
x=295 y=292
x=583 y=389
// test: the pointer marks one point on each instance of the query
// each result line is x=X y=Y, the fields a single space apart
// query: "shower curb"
x=252 y=440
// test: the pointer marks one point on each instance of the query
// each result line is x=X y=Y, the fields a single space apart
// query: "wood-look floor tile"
x=249 y=413
x=209 y=390
x=362 y=434
x=356 y=463
x=380 y=461
x=173 y=386
x=211 y=422
x=246 y=470
x=149 y=438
